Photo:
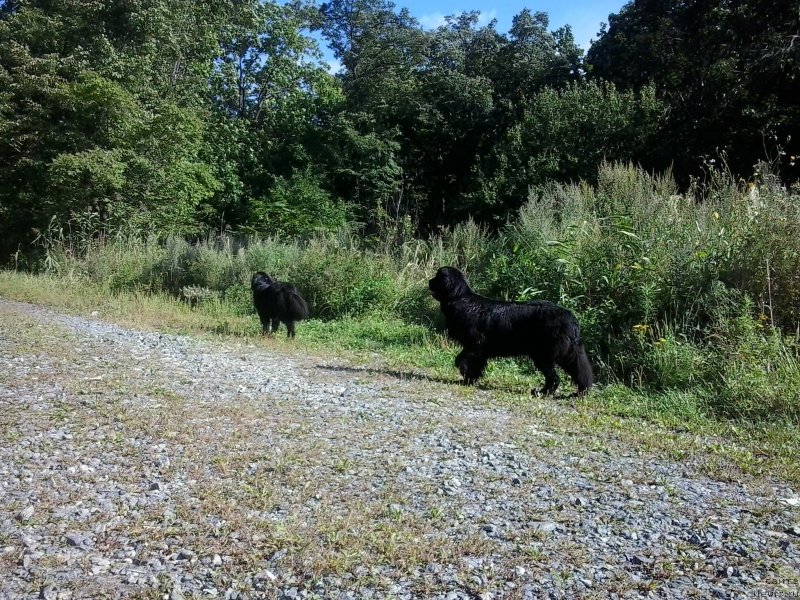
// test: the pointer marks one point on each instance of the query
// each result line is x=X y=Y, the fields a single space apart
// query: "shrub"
x=298 y=206
x=673 y=293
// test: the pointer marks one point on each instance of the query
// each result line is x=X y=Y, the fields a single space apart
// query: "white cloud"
x=432 y=21
x=487 y=16
x=334 y=66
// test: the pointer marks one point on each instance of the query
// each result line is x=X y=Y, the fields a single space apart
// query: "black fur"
x=277 y=303
x=547 y=333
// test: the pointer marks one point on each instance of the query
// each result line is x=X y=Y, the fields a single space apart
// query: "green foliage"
x=756 y=370
x=665 y=286
x=671 y=294
x=239 y=297
x=126 y=264
x=339 y=279
x=128 y=131
x=117 y=120
x=184 y=117
x=567 y=133
x=299 y=207
x=664 y=360
x=362 y=165
x=87 y=179
x=95 y=125
x=727 y=71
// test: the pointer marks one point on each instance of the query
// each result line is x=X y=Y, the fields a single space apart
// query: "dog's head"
x=448 y=284
x=260 y=279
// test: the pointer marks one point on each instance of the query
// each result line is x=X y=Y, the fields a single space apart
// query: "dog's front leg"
x=471 y=364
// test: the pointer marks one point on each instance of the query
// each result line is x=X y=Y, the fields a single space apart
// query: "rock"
x=75 y=539
x=544 y=526
x=176 y=593
x=278 y=555
x=184 y=554
x=48 y=592
x=25 y=514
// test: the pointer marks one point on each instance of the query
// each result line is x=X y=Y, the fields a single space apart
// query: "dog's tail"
x=296 y=306
x=581 y=374
x=576 y=363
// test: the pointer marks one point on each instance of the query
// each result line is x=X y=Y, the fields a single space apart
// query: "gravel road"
x=139 y=464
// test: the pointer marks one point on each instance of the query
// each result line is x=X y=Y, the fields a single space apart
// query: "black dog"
x=547 y=333
x=277 y=303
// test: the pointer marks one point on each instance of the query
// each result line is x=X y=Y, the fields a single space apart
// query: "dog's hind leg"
x=551 y=378
x=289 y=328
x=274 y=325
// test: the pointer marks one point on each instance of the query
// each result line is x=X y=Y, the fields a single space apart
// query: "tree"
x=272 y=102
x=103 y=115
x=381 y=51
x=729 y=72
x=374 y=43
x=565 y=134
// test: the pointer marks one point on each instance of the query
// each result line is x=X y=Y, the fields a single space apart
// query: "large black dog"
x=547 y=333
x=277 y=303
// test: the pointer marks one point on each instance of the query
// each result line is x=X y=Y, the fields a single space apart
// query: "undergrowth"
x=692 y=295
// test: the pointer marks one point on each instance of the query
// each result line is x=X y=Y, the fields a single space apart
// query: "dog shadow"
x=418 y=376
x=395 y=373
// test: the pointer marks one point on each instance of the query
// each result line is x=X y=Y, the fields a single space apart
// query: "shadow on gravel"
x=403 y=375
x=568 y=398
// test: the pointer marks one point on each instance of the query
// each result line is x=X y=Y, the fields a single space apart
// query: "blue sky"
x=585 y=16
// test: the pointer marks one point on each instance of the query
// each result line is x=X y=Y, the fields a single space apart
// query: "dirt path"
x=135 y=464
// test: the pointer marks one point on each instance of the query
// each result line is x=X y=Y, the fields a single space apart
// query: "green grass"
x=688 y=296
x=679 y=424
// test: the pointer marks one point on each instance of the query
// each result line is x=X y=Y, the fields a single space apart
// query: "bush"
x=298 y=206
x=673 y=293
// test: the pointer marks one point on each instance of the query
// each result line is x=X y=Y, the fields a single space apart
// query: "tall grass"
x=694 y=292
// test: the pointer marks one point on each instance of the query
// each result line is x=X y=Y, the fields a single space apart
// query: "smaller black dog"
x=277 y=303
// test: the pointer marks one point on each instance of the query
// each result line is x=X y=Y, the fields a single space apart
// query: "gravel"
x=140 y=464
